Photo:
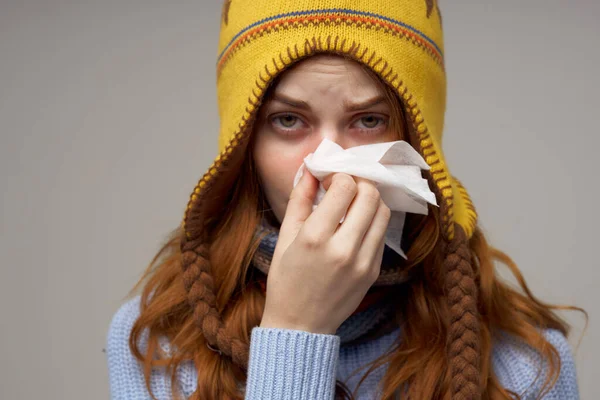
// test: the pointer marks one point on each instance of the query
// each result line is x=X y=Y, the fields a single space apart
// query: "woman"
x=259 y=296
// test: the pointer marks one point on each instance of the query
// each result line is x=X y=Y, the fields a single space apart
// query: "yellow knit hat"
x=400 y=40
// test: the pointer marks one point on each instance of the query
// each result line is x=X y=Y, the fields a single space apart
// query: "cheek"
x=277 y=164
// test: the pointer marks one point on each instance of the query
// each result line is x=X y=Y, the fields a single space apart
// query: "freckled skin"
x=326 y=83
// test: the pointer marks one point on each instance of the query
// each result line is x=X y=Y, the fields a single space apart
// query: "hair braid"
x=201 y=297
x=464 y=339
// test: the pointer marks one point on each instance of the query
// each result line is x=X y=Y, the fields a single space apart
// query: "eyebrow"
x=291 y=102
x=364 y=104
x=348 y=106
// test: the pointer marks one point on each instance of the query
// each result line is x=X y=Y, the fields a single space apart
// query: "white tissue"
x=394 y=166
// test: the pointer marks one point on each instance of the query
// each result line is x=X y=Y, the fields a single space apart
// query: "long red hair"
x=420 y=357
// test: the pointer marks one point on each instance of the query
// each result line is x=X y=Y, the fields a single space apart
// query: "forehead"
x=326 y=73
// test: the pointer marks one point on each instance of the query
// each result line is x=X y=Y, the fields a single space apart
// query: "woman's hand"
x=321 y=269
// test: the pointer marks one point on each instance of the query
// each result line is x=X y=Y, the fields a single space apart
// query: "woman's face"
x=324 y=96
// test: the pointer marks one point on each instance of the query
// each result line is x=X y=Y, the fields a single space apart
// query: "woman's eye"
x=286 y=121
x=371 y=122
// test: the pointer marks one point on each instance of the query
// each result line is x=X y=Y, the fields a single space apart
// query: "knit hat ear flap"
x=201 y=218
x=460 y=287
x=206 y=202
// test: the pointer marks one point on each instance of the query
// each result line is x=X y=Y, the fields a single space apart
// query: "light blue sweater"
x=290 y=364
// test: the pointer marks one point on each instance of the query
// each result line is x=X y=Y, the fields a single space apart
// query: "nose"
x=335 y=135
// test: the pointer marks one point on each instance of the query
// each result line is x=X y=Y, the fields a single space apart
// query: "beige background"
x=108 y=118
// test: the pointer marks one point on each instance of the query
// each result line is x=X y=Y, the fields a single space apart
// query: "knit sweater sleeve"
x=125 y=373
x=283 y=364
x=517 y=366
x=292 y=364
